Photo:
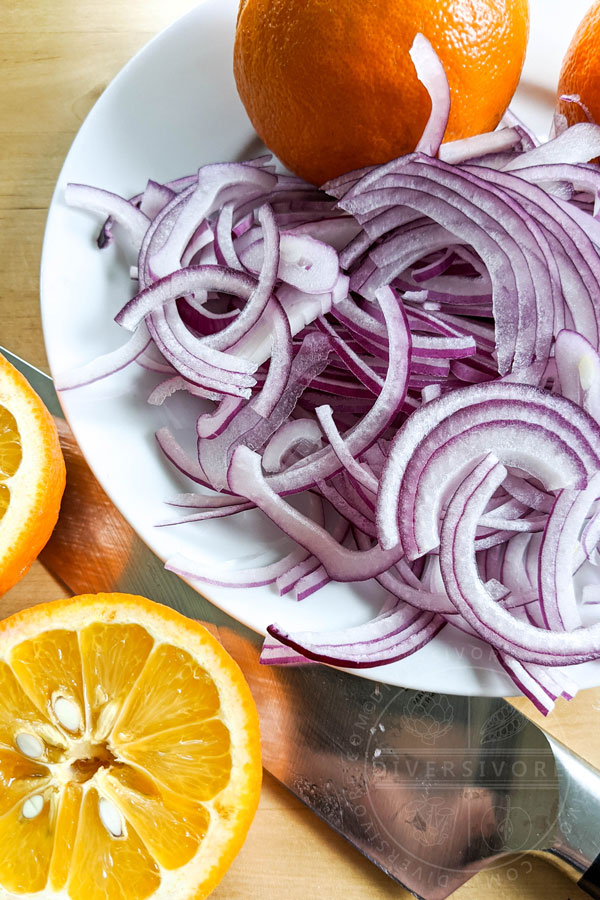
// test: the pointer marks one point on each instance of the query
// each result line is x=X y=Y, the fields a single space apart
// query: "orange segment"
x=32 y=475
x=193 y=761
x=170 y=828
x=103 y=866
x=19 y=716
x=4 y=499
x=49 y=668
x=64 y=835
x=11 y=452
x=150 y=794
x=172 y=690
x=113 y=657
x=27 y=846
x=19 y=778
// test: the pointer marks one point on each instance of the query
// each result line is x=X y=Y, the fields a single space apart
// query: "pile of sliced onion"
x=415 y=346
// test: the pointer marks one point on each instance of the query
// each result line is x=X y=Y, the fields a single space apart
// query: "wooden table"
x=57 y=57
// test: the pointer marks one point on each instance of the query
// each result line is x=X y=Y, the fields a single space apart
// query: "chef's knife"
x=431 y=787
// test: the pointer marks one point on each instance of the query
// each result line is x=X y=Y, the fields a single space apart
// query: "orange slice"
x=129 y=752
x=32 y=475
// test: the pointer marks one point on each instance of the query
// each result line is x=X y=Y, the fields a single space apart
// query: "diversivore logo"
x=433 y=785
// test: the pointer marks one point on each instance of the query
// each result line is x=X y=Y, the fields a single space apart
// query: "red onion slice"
x=245 y=477
x=122 y=211
x=466 y=590
x=304 y=262
x=431 y=72
x=105 y=365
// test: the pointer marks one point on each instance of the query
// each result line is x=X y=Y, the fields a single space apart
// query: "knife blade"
x=431 y=787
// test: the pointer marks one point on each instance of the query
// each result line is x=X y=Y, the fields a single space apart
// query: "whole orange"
x=580 y=72
x=329 y=84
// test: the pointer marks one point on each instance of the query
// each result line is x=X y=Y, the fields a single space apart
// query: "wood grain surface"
x=57 y=57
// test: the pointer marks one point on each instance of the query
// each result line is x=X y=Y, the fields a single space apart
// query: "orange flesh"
x=10 y=454
x=156 y=752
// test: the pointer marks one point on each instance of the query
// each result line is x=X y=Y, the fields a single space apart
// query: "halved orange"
x=32 y=475
x=129 y=752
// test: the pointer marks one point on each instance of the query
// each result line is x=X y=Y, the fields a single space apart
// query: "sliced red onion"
x=558 y=602
x=530 y=687
x=497 y=523
x=325 y=463
x=210 y=425
x=194 y=570
x=296 y=434
x=480 y=145
x=578 y=144
x=122 y=211
x=466 y=590
x=214 y=181
x=431 y=72
x=311 y=583
x=578 y=369
x=105 y=365
x=491 y=225
x=300 y=311
x=224 y=237
x=177 y=284
x=304 y=262
x=201 y=349
x=191 y=367
x=169 y=386
x=333 y=492
x=245 y=476
x=290 y=579
x=206 y=514
x=251 y=428
x=274 y=653
x=511 y=120
x=590 y=538
x=343 y=375
x=401 y=583
x=392 y=636
x=203 y=501
x=280 y=362
x=254 y=577
x=440 y=442
x=259 y=298
x=155 y=198
x=362 y=475
x=176 y=455
x=462 y=426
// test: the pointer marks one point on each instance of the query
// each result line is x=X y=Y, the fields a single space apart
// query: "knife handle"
x=590 y=882
x=577 y=845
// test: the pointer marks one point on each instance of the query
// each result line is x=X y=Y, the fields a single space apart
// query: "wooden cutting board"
x=57 y=57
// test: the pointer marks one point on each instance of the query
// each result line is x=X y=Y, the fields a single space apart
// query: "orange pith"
x=129 y=752
x=32 y=475
x=580 y=71
x=330 y=87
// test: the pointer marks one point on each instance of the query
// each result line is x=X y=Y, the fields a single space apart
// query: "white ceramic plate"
x=173 y=108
